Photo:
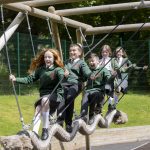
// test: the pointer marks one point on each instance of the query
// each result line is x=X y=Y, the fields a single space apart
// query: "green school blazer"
x=78 y=72
x=48 y=78
x=102 y=75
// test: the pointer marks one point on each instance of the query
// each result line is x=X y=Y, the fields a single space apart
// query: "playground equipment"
x=58 y=16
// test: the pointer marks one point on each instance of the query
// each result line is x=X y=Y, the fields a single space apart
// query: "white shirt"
x=104 y=61
x=120 y=61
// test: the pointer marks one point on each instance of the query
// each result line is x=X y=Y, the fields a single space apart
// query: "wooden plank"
x=38 y=3
x=121 y=28
x=102 y=8
x=11 y=29
x=43 y=14
x=11 y=1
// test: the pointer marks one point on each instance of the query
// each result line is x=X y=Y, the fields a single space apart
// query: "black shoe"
x=69 y=128
x=45 y=134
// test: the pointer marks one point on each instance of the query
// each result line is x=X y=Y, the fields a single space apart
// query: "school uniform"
x=48 y=78
x=110 y=64
x=125 y=65
x=94 y=91
x=78 y=73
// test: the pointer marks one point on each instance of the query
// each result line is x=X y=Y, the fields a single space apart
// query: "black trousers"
x=71 y=91
x=90 y=99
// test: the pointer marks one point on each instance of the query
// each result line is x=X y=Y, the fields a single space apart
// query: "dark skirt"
x=50 y=97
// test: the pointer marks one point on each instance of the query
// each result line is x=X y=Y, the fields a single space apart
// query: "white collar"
x=75 y=60
x=50 y=66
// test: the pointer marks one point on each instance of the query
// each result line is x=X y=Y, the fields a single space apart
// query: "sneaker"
x=69 y=128
x=45 y=134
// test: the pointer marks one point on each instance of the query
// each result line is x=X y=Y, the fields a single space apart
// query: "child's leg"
x=69 y=103
x=84 y=107
x=100 y=103
x=116 y=96
x=45 y=117
x=61 y=113
x=37 y=119
x=94 y=97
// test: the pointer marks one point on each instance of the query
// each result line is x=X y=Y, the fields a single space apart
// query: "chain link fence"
x=21 y=53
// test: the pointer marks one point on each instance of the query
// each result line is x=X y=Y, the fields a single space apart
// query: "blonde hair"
x=107 y=48
x=38 y=61
x=123 y=51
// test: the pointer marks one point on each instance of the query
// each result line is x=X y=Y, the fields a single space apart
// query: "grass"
x=137 y=106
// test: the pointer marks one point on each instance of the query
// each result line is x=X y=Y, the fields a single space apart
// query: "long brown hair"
x=38 y=61
x=121 y=49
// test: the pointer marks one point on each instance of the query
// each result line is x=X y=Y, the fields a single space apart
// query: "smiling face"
x=48 y=58
x=105 y=53
x=119 y=53
x=74 y=52
x=93 y=62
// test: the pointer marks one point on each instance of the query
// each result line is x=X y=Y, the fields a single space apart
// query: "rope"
x=50 y=30
x=29 y=28
x=84 y=39
x=65 y=25
x=9 y=67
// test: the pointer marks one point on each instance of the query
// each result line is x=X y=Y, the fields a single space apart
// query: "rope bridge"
x=29 y=140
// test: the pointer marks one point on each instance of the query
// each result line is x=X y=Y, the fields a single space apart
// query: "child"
x=111 y=65
x=76 y=72
x=46 y=67
x=124 y=65
x=95 y=87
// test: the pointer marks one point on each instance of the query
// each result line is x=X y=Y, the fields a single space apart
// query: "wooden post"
x=11 y=29
x=88 y=145
x=55 y=32
x=80 y=40
x=78 y=36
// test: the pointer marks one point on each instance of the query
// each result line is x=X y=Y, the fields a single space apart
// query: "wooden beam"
x=43 y=14
x=120 y=28
x=11 y=1
x=79 y=37
x=11 y=29
x=38 y=3
x=102 y=8
x=55 y=32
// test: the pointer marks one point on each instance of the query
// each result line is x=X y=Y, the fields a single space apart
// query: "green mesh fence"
x=21 y=53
